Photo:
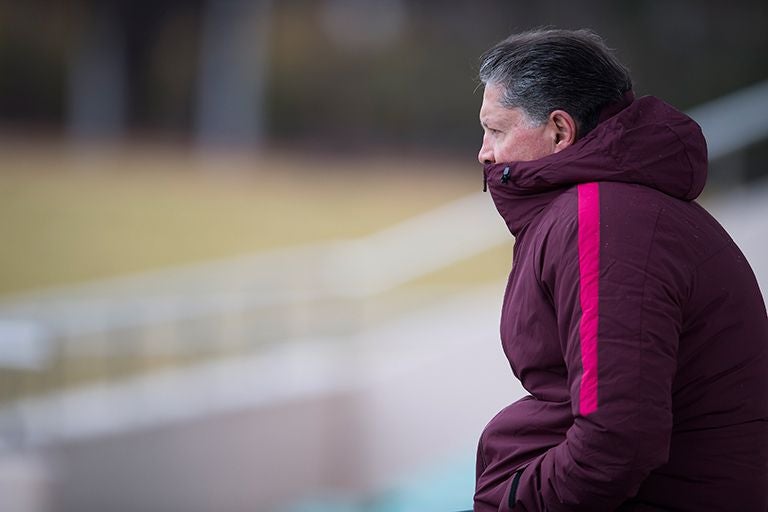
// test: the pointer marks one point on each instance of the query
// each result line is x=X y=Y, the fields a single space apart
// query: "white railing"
x=336 y=270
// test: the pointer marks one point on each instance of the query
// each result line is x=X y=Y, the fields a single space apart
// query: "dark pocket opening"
x=513 y=488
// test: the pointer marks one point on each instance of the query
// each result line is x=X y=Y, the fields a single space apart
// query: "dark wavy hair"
x=549 y=69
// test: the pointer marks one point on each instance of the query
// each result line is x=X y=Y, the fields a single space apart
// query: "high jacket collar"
x=648 y=142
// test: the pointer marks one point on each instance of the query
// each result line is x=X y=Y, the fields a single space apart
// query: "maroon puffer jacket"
x=637 y=327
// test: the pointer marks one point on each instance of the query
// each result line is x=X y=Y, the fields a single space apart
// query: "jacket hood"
x=647 y=143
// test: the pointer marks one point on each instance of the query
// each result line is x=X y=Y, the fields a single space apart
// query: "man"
x=630 y=316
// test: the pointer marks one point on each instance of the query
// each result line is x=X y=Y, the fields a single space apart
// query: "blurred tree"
x=32 y=64
x=334 y=74
x=97 y=75
x=233 y=71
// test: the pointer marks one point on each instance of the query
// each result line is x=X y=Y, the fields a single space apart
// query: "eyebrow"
x=486 y=126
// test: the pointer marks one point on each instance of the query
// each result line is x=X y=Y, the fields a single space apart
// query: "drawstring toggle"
x=505 y=175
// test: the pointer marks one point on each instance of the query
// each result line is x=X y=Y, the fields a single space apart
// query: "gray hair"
x=550 y=69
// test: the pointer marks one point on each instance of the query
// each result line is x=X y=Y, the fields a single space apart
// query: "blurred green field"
x=69 y=215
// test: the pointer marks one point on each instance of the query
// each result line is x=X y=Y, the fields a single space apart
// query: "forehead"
x=493 y=111
x=492 y=95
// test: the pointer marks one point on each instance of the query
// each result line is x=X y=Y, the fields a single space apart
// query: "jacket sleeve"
x=616 y=295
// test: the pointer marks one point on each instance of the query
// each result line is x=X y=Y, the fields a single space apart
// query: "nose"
x=485 y=155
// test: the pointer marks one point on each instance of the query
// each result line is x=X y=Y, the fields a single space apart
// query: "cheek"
x=523 y=146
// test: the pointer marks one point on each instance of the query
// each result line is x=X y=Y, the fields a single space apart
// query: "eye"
x=490 y=130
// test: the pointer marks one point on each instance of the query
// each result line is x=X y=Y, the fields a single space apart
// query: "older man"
x=630 y=316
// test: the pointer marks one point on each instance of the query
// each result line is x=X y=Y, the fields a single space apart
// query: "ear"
x=563 y=129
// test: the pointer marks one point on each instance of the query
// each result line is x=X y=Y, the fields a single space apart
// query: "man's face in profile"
x=509 y=135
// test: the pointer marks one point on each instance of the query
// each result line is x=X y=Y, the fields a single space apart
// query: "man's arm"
x=619 y=318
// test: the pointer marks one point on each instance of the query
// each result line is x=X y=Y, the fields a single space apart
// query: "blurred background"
x=245 y=263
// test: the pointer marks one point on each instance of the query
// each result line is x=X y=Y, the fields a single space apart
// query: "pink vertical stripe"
x=589 y=268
